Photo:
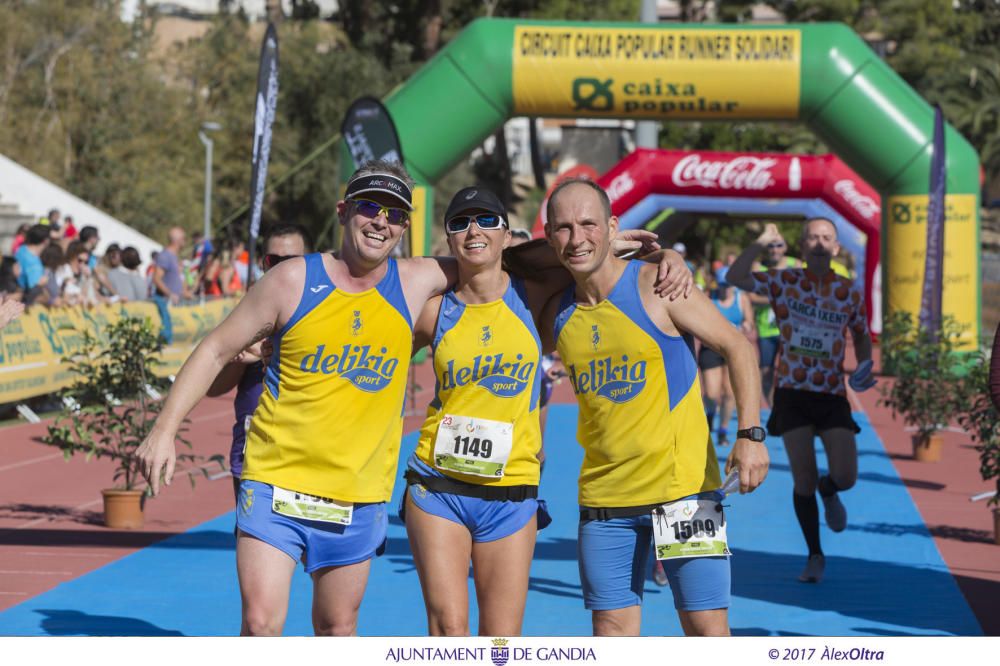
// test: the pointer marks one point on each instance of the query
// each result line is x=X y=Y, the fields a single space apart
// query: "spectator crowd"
x=53 y=263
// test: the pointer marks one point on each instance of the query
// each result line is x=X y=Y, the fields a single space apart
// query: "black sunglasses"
x=371 y=209
x=485 y=221
x=272 y=260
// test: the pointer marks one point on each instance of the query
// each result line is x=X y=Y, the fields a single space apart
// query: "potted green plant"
x=981 y=421
x=109 y=408
x=926 y=385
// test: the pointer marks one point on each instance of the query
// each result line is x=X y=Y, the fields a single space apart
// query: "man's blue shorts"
x=316 y=544
x=486 y=520
x=768 y=348
x=612 y=557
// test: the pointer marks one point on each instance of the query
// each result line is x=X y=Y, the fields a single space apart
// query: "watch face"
x=754 y=434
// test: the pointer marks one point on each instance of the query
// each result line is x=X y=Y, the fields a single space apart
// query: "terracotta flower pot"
x=927 y=448
x=123 y=509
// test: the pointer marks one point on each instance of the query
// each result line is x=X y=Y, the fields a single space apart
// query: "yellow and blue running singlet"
x=641 y=423
x=329 y=420
x=486 y=363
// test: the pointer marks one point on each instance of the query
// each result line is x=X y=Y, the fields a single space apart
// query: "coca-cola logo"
x=620 y=186
x=739 y=173
x=864 y=204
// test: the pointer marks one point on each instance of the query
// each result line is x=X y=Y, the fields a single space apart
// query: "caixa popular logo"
x=355 y=363
x=502 y=379
x=614 y=381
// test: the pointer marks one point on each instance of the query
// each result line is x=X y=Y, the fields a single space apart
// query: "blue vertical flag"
x=263 y=118
x=930 y=299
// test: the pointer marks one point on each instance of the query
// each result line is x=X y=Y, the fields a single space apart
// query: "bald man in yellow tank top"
x=649 y=467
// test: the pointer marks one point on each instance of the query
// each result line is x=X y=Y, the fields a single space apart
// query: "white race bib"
x=811 y=341
x=309 y=507
x=689 y=528
x=469 y=445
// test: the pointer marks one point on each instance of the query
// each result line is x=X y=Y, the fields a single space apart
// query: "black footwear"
x=834 y=512
x=813 y=573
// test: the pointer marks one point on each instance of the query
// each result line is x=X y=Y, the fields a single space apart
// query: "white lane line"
x=203 y=417
x=37 y=573
x=185 y=472
x=46 y=519
x=54 y=456
x=15 y=594
x=65 y=554
x=213 y=415
x=31 y=461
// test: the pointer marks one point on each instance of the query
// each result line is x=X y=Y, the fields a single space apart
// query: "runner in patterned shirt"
x=814 y=307
x=768 y=335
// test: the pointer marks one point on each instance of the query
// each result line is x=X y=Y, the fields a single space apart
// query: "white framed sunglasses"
x=485 y=221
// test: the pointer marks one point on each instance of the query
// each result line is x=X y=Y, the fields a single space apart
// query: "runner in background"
x=735 y=307
x=768 y=335
x=814 y=308
x=246 y=372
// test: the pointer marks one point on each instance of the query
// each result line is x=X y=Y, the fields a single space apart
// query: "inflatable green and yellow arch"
x=823 y=75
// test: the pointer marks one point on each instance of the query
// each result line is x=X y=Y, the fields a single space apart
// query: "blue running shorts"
x=316 y=544
x=612 y=557
x=768 y=348
x=486 y=520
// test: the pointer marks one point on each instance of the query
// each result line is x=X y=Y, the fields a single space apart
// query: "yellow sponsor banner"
x=656 y=72
x=32 y=347
x=191 y=324
x=906 y=251
x=421 y=221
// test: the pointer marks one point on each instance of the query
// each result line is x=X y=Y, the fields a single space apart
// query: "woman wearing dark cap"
x=473 y=480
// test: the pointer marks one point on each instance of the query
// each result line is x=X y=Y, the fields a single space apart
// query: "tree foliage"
x=91 y=103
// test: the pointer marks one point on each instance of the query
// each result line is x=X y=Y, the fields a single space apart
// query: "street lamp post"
x=207 y=141
x=207 y=127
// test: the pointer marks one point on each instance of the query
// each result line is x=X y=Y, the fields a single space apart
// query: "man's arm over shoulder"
x=426 y=325
x=425 y=277
x=547 y=322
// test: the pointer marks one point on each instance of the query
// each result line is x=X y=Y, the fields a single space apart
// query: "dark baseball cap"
x=380 y=182
x=471 y=198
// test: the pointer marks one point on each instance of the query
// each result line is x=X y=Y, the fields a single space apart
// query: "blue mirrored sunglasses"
x=372 y=209
x=485 y=221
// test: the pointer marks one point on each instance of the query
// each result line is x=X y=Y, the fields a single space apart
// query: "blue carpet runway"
x=880 y=580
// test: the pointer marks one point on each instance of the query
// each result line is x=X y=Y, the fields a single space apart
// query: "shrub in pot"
x=980 y=419
x=928 y=380
x=112 y=403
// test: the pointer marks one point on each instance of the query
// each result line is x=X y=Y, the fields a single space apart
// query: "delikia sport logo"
x=617 y=382
x=355 y=363
x=504 y=380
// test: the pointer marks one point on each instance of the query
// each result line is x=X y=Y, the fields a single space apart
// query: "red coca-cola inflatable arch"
x=750 y=176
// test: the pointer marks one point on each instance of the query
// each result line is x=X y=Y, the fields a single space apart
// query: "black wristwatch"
x=754 y=434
